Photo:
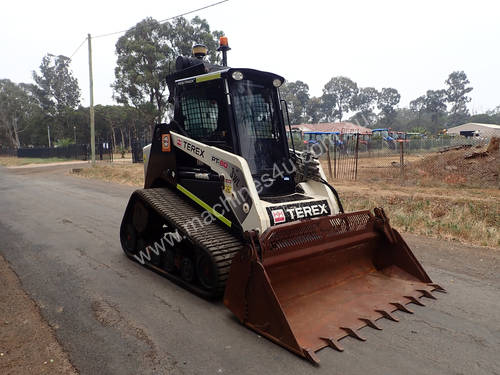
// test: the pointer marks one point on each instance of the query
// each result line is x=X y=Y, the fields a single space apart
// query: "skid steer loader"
x=229 y=208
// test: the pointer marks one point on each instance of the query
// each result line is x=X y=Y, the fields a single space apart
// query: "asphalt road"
x=60 y=235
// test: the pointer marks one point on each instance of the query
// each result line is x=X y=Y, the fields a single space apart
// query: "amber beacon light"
x=223 y=47
x=223 y=41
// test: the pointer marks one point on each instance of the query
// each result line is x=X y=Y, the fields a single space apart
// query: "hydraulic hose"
x=334 y=193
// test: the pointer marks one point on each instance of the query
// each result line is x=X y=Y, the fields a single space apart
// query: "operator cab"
x=239 y=110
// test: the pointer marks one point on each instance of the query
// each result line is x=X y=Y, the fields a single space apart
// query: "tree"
x=418 y=105
x=435 y=103
x=494 y=115
x=364 y=103
x=296 y=95
x=456 y=94
x=113 y=117
x=146 y=54
x=387 y=100
x=419 y=129
x=314 y=110
x=57 y=89
x=58 y=94
x=17 y=106
x=339 y=97
x=367 y=119
x=184 y=34
x=494 y=111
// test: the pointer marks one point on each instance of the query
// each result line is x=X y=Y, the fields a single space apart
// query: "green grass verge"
x=12 y=161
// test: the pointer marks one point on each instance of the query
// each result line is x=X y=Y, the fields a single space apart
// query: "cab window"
x=201 y=111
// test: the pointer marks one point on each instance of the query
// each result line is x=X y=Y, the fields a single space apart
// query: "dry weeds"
x=431 y=207
x=466 y=215
x=126 y=173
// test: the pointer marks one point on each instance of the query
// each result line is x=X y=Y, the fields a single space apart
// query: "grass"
x=118 y=156
x=466 y=215
x=13 y=161
x=452 y=212
x=127 y=174
x=442 y=195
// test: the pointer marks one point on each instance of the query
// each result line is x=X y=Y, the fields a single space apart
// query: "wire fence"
x=357 y=157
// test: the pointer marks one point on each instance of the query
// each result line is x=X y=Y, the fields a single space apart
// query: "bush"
x=64 y=142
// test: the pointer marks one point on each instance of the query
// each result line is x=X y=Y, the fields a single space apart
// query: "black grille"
x=200 y=116
x=255 y=114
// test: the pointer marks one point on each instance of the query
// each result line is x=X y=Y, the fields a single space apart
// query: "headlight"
x=277 y=82
x=237 y=75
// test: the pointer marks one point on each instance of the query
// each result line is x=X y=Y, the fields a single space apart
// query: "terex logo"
x=194 y=149
x=307 y=211
x=278 y=216
x=297 y=211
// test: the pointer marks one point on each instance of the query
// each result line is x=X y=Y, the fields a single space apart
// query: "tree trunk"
x=10 y=135
x=16 y=135
x=113 y=137
x=123 y=137
x=5 y=123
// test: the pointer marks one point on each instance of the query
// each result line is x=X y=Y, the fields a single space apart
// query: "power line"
x=192 y=11
x=162 y=21
x=76 y=50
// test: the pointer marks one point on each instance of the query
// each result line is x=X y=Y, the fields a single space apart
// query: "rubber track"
x=211 y=238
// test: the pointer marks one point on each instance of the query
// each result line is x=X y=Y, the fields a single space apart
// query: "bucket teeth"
x=353 y=333
x=370 y=323
x=415 y=300
x=311 y=356
x=401 y=307
x=388 y=315
x=438 y=288
x=333 y=343
x=426 y=293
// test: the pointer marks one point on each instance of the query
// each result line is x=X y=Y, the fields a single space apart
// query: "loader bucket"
x=313 y=282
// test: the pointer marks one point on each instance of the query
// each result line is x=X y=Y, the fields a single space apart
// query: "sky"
x=410 y=45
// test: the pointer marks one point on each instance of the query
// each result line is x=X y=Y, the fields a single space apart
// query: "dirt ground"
x=27 y=343
x=472 y=167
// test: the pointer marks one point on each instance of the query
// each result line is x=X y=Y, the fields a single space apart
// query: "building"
x=341 y=127
x=473 y=129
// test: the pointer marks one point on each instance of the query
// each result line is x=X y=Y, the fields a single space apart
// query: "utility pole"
x=48 y=133
x=91 y=80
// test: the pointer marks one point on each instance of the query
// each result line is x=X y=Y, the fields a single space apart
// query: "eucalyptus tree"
x=146 y=55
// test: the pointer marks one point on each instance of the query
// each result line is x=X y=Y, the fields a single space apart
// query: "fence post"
x=356 y=153
x=328 y=157
x=402 y=161
x=335 y=159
